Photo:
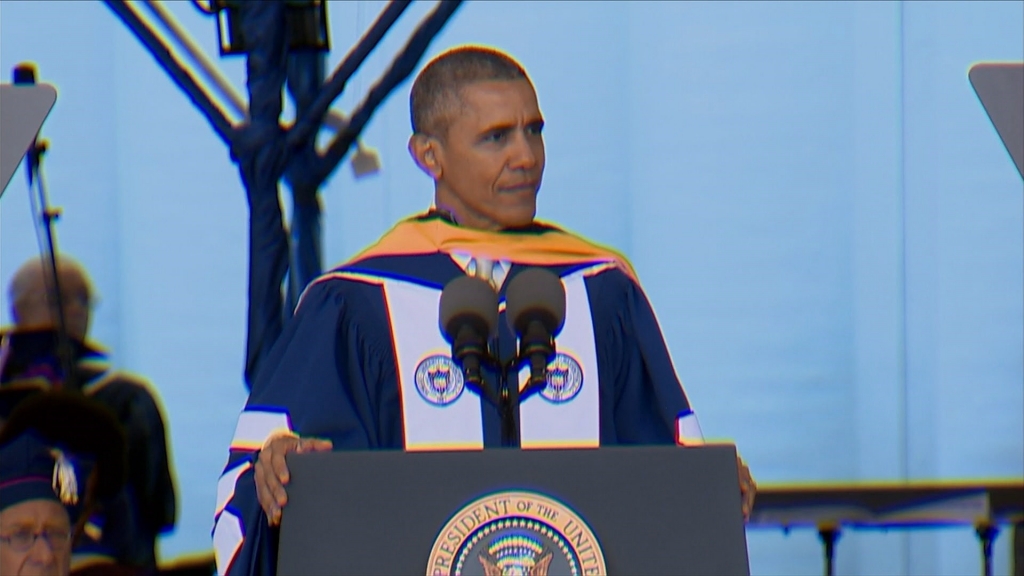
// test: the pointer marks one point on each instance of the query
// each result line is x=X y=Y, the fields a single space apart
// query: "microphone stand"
x=510 y=396
x=48 y=244
x=500 y=398
x=508 y=402
x=505 y=398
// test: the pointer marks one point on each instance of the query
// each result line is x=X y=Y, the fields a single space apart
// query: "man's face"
x=44 y=527
x=489 y=163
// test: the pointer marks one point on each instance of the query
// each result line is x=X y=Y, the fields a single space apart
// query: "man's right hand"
x=271 y=471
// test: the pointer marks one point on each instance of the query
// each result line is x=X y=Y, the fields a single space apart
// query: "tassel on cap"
x=65 y=483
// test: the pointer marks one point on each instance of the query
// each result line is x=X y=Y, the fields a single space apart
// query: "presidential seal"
x=439 y=380
x=516 y=534
x=565 y=379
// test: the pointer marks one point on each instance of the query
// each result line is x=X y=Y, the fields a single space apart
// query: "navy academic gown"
x=363 y=363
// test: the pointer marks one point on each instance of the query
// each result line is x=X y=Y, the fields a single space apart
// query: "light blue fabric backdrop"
x=824 y=218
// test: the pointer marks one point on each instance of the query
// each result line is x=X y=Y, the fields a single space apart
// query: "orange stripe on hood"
x=550 y=247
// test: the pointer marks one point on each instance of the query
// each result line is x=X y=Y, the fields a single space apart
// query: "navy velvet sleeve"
x=330 y=375
x=642 y=397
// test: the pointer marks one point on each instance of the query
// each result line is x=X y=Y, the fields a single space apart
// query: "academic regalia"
x=363 y=363
x=147 y=507
x=62 y=446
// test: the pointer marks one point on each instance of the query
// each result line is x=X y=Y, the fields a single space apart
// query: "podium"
x=617 y=510
x=23 y=108
x=1000 y=87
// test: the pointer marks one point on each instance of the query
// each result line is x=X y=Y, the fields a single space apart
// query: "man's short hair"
x=435 y=93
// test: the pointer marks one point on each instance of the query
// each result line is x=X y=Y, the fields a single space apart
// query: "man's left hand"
x=748 y=488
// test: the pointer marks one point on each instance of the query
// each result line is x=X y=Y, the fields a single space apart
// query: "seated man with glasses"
x=29 y=364
x=61 y=455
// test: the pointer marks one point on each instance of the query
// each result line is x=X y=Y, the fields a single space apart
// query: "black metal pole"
x=401 y=67
x=178 y=74
x=1018 y=548
x=987 y=534
x=259 y=149
x=829 y=535
x=49 y=256
x=305 y=83
x=308 y=123
x=265 y=152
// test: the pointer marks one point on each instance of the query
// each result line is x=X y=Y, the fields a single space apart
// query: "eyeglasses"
x=23 y=540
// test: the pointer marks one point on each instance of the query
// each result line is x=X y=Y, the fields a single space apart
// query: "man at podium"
x=364 y=363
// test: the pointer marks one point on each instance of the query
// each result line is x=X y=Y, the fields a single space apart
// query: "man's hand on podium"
x=748 y=488
x=271 y=470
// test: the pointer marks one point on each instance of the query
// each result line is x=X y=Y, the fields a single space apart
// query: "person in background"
x=29 y=365
x=62 y=456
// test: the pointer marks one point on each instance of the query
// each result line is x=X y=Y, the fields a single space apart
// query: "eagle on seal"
x=539 y=568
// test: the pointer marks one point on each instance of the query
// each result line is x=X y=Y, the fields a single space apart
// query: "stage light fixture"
x=307 y=26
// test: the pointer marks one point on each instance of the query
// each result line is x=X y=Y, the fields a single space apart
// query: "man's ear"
x=424 y=152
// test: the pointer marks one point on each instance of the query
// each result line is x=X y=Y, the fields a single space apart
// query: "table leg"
x=987 y=534
x=1018 y=549
x=829 y=534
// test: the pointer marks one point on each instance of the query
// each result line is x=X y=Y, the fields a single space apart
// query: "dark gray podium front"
x=651 y=510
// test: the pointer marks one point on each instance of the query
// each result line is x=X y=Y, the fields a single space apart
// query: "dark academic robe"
x=363 y=362
x=127 y=527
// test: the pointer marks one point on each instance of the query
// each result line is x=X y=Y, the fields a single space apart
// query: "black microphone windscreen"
x=468 y=299
x=536 y=294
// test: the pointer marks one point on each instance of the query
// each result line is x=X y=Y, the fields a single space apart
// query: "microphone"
x=469 y=317
x=536 y=310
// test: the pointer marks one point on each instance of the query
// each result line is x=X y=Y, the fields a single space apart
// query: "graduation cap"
x=61 y=446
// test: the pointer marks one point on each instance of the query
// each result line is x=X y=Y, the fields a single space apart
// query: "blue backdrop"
x=826 y=222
